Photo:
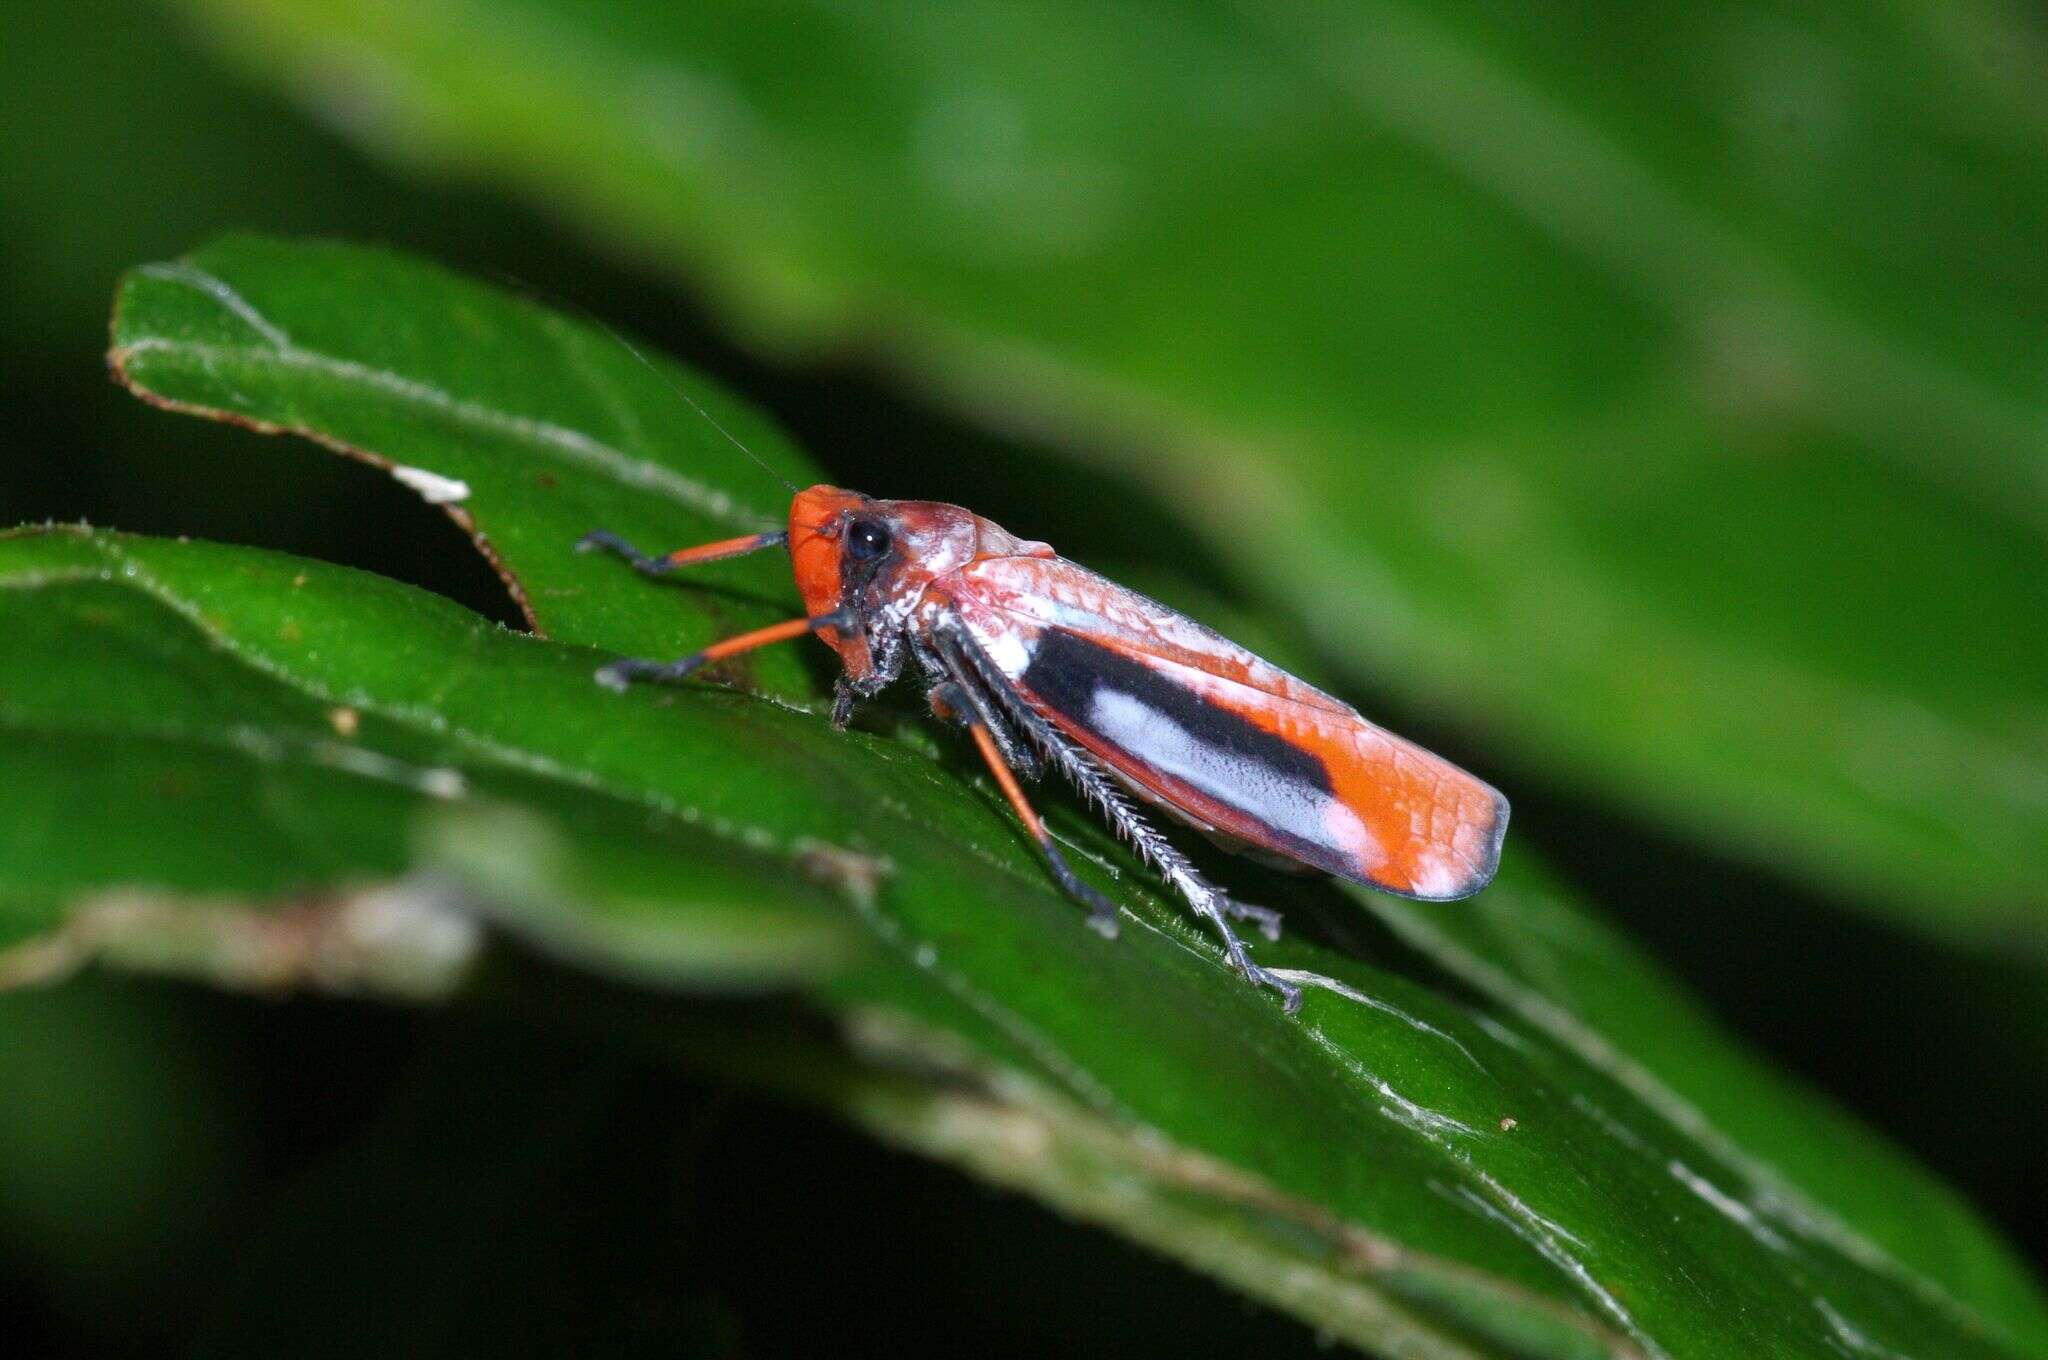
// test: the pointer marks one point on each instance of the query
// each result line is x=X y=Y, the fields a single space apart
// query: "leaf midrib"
x=563 y=442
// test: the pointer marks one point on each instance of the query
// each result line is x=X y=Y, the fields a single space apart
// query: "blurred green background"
x=1644 y=406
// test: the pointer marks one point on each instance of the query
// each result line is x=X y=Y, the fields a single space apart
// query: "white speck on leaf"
x=442 y=782
x=432 y=486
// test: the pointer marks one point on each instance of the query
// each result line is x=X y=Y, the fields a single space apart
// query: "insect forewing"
x=1195 y=722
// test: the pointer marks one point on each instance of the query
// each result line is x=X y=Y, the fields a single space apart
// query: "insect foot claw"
x=1101 y=911
x=1290 y=995
x=1265 y=918
x=610 y=542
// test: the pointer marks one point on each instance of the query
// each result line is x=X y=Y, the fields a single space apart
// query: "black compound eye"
x=866 y=540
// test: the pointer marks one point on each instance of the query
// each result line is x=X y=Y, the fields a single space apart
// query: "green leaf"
x=1354 y=1164
x=1606 y=383
x=1510 y=1132
x=504 y=413
x=226 y=787
x=1363 y=1141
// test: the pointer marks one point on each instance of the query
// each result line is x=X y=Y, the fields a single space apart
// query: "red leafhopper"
x=1049 y=665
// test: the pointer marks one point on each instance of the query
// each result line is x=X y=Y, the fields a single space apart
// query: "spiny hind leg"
x=1208 y=901
x=969 y=662
x=1218 y=908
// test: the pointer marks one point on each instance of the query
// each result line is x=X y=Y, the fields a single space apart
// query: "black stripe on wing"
x=1069 y=674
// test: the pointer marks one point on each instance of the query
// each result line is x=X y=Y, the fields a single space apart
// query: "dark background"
x=179 y=1167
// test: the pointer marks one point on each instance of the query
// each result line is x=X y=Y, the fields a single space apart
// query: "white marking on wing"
x=1008 y=648
x=1436 y=876
x=1249 y=786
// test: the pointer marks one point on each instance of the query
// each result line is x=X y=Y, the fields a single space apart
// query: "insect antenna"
x=691 y=401
x=538 y=294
